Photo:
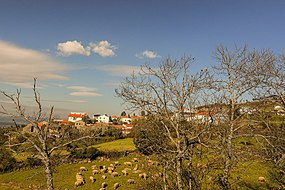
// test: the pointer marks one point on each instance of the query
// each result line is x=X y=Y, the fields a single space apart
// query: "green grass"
x=117 y=145
x=64 y=176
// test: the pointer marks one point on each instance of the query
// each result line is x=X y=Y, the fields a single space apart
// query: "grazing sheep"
x=116 y=163
x=93 y=167
x=131 y=181
x=104 y=177
x=112 y=165
x=143 y=176
x=261 y=179
x=135 y=159
x=125 y=172
x=92 y=179
x=137 y=171
x=104 y=170
x=95 y=172
x=110 y=169
x=82 y=169
x=78 y=183
x=115 y=174
x=104 y=184
x=127 y=169
x=116 y=185
x=128 y=164
x=136 y=167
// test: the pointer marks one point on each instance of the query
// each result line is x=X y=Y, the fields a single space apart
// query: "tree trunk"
x=179 y=173
x=228 y=162
x=49 y=175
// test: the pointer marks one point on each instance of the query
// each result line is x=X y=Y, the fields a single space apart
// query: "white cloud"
x=147 y=54
x=20 y=65
x=120 y=70
x=72 y=48
x=103 y=48
x=83 y=91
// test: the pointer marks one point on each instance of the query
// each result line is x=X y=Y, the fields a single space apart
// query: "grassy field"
x=245 y=174
x=117 y=145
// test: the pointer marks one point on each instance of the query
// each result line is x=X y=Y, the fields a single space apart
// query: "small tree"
x=40 y=141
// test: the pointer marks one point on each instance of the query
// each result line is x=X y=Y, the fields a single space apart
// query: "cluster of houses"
x=80 y=119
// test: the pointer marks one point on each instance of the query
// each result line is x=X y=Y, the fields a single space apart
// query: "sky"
x=80 y=51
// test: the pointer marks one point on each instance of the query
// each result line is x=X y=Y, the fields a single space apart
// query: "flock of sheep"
x=112 y=170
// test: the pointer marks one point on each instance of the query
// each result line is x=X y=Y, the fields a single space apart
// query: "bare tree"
x=232 y=84
x=269 y=71
x=40 y=140
x=165 y=94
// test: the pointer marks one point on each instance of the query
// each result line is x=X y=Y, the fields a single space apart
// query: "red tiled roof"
x=76 y=115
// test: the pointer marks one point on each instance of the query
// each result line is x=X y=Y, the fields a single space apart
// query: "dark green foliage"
x=85 y=153
x=7 y=161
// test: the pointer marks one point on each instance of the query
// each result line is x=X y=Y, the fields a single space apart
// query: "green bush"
x=85 y=153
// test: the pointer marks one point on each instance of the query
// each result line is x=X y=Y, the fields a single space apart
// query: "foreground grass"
x=244 y=176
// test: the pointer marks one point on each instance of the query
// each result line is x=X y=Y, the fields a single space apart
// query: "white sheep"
x=104 y=184
x=115 y=174
x=128 y=164
x=116 y=185
x=261 y=179
x=79 y=183
x=131 y=181
x=116 y=163
x=95 y=172
x=104 y=177
x=92 y=179
x=93 y=167
x=143 y=175
x=135 y=159
x=125 y=172
x=83 y=169
x=136 y=167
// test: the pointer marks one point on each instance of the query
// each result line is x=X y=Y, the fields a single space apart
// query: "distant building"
x=126 y=119
x=104 y=118
x=76 y=116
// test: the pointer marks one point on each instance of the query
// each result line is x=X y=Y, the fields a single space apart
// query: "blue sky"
x=81 y=50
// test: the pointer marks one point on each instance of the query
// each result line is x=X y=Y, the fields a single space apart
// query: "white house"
x=103 y=118
x=76 y=116
x=126 y=119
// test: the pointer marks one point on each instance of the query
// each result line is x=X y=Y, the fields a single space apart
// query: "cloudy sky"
x=81 y=50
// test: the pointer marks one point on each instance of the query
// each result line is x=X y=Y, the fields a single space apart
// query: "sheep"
x=261 y=179
x=136 y=171
x=95 y=172
x=136 y=167
x=125 y=172
x=116 y=185
x=131 y=181
x=82 y=169
x=104 y=170
x=78 y=183
x=117 y=163
x=115 y=174
x=93 y=167
x=110 y=169
x=104 y=184
x=92 y=179
x=135 y=159
x=104 y=177
x=143 y=175
x=128 y=164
